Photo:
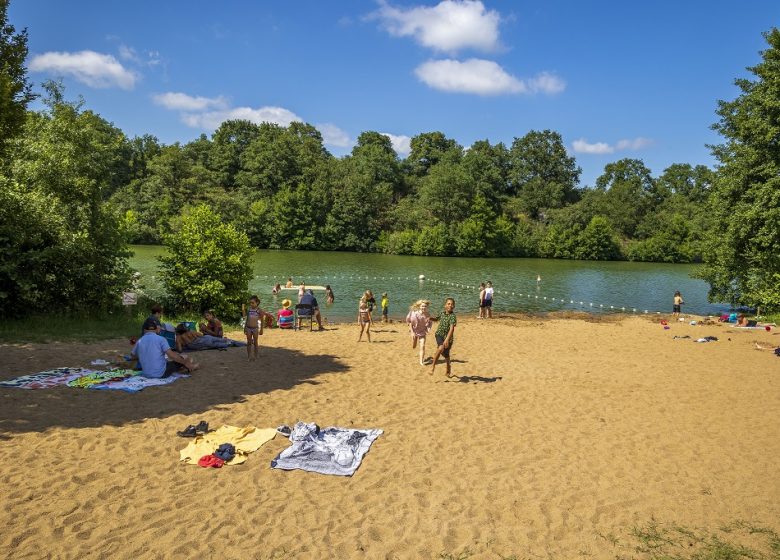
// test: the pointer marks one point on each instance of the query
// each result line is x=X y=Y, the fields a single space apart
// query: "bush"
x=208 y=265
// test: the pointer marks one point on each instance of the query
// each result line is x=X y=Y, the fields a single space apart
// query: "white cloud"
x=183 y=102
x=334 y=136
x=89 y=67
x=582 y=146
x=482 y=77
x=212 y=119
x=449 y=26
x=401 y=144
x=128 y=53
x=545 y=82
x=634 y=144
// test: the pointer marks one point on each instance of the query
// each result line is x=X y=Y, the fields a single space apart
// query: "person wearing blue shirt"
x=308 y=299
x=152 y=349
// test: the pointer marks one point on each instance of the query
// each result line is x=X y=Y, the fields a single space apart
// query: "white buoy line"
x=422 y=277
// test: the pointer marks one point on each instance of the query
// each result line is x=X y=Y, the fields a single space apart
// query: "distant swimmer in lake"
x=277 y=289
x=289 y=283
x=329 y=297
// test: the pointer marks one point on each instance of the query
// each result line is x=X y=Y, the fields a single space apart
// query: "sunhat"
x=286 y=303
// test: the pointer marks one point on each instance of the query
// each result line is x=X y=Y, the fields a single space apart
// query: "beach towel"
x=137 y=382
x=333 y=450
x=98 y=377
x=47 y=379
x=244 y=441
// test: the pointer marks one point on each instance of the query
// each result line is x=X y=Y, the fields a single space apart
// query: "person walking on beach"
x=419 y=325
x=489 y=300
x=364 y=317
x=481 y=301
x=445 y=334
x=676 y=303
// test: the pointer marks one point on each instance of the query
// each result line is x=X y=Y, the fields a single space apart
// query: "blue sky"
x=616 y=79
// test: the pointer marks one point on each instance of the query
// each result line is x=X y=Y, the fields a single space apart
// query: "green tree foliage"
x=428 y=149
x=208 y=263
x=597 y=242
x=743 y=252
x=542 y=174
x=15 y=91
x=629 y=194
x=64 y=163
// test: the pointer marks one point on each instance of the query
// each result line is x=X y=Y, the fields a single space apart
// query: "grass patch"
x=737 y=541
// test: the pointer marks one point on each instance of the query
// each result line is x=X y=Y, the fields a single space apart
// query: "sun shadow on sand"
x=224 y=378
x=477 y=379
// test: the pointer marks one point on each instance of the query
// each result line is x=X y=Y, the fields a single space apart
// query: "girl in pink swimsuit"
x=419 y=324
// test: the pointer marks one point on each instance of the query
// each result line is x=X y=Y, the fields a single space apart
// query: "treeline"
x=282 y=187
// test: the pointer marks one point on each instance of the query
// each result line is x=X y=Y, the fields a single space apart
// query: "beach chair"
x=303 y=312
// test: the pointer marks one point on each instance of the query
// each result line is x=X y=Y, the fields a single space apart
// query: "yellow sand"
x=557 y=437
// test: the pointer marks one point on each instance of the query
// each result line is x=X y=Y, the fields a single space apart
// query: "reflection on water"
x=521 y=284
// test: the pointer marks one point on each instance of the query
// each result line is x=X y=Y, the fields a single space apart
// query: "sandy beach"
x=556 y=439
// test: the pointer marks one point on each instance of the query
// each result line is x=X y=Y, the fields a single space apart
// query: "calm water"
x=590 y=285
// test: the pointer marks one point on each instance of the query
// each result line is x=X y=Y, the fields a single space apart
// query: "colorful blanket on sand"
x=98 y=377
x=330 y=451
x=47 y=379
x=245 y=440
x=137 y=382
x=119 y=379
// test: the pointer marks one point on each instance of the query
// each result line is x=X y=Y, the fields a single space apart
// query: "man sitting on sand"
x=151 y=350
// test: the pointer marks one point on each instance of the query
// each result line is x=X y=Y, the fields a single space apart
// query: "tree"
x=629 y=194
x=541 y=173
x=208 y=265
x=597 y=241
x=15 y=92
x=65 y=162
x=743 y=253
x=428 y=149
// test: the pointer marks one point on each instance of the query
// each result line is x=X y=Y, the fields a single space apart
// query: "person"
x=301 y=291
x=192 y=340
x=289 y=283
x=155 y=312
x=445 y=333
x=385 y=303
x=253 y=326
x=489 y=300
x=743 y=321
x=329 y=298
x=371 y=304
x=364 y=317
x=676 y=303
x=309 y=299
x=212 y=326
x=151 y=351
x=285 y=318
x=277 y=289
x=419 y=325
x=481 y=301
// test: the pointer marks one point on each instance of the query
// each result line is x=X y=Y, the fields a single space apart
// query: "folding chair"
x=304 y=311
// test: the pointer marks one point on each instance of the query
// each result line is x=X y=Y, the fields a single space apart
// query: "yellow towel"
x=245 y=440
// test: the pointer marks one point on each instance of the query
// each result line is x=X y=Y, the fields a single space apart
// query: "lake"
x=593 y=286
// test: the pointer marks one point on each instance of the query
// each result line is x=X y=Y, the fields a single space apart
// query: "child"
x=385 y=303
x=419 y=324
x=277 y=289
x=677 y=302
x=253 y=327
x=489 y=300
x=371 y=302
x=212 y=326
x=364 y=317
x=329 y=297
x=445 y=334
x=285 y=317
x=481 y=301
